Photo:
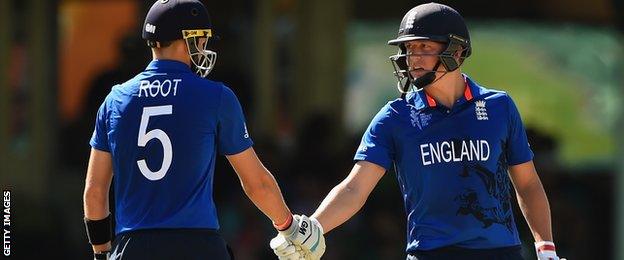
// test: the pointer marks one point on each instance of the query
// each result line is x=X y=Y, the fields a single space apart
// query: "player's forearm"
x=96 y=208
x=340 y=205
x=268 y=198
x=95 y=202
x=97 y=184
x=95 y=196
x=536 y=209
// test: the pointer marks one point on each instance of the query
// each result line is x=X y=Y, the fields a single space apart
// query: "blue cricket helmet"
x=435 y=22
x=169 y=20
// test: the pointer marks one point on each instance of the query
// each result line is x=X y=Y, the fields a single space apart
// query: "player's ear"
x=182 y=45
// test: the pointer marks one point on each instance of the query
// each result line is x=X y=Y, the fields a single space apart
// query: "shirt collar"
x=422 y=100
x=167 y=65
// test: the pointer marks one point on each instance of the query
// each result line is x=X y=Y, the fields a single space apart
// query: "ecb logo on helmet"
x=410 y=20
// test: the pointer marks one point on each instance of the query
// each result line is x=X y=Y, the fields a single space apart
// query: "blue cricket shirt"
x=451 y=165
x=164 y=129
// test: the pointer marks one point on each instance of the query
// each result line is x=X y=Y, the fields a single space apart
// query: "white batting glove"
x=546 y=251
x=286 y=250
x=309 y=235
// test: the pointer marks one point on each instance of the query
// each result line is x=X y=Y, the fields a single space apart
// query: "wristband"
x=544 y=246
x=285 y=225
x=98 y=231
x=104 y=255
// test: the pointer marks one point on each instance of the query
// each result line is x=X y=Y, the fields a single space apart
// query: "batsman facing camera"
x=458 y=206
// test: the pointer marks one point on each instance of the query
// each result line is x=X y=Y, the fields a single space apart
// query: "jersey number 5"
x=145 y=137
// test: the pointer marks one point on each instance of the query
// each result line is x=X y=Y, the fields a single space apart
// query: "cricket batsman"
x=456 y=146
x=159 y=134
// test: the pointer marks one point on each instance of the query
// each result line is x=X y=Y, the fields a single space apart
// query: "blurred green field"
x=563 y=79
x=564 y=84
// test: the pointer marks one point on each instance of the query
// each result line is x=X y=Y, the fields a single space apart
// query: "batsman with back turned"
x=159 y=134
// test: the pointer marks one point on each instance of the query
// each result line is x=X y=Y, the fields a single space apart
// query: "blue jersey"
x=164 y=129
x=451 y=165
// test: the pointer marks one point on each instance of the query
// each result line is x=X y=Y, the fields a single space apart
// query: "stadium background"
x=310 y=75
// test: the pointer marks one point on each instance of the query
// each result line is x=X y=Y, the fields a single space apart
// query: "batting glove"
x=309 y=235
x=546 y=251
x=286 y=250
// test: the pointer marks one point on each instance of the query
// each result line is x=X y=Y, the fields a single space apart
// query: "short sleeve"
x=99 y=139
x=377 y=145
x=518 y=150
x=232 y=132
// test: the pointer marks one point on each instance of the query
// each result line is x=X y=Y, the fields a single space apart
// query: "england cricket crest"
x=409 y=24
x=480 y=110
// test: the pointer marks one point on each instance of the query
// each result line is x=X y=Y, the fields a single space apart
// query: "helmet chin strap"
x=429 y=77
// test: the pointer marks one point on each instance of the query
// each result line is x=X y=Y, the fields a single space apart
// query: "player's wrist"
x=287 y=227
x=546 y=250
x=318 y=224
x=99 y=231
x=544 y=246
x=103 y=255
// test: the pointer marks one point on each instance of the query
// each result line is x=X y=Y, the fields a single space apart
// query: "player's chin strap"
x=425 y=80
